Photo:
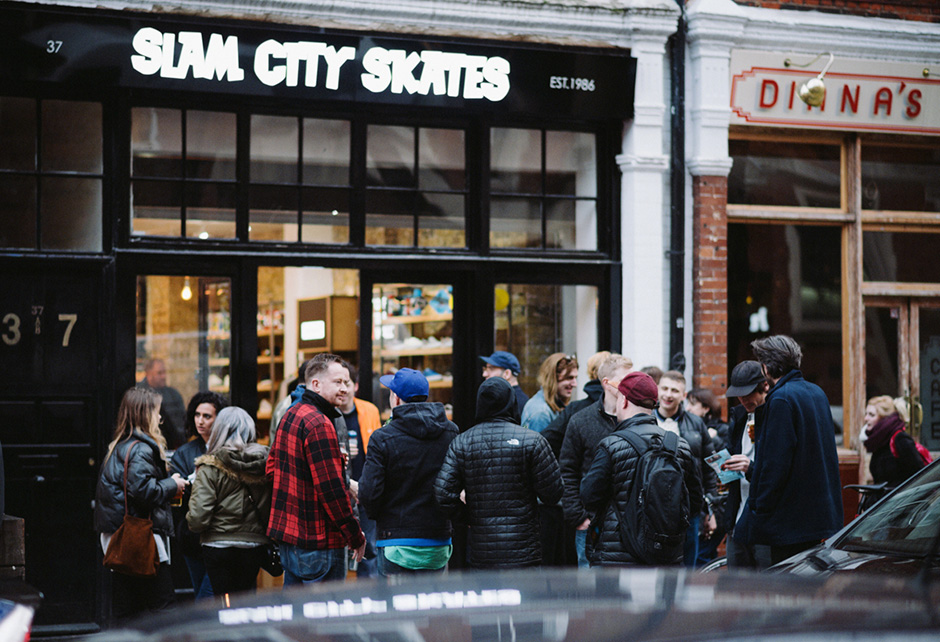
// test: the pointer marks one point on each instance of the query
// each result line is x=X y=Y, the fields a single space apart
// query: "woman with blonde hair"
x=557 y=378
x=894 y=455
x=230 y=503
x=138 y=440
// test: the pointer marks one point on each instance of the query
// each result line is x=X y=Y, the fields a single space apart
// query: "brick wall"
x=922 y=10
x=710 y=282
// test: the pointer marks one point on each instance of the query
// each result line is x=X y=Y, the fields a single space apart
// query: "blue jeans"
x=202 y=588
x=690 y=552
x=387 y=568
x=580 y=544
x=302 y=566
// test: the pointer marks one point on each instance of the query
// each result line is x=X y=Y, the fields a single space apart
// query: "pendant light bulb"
x=187 y=292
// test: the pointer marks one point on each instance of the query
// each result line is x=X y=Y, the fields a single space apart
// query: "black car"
x=564 y=605
x=898 y=536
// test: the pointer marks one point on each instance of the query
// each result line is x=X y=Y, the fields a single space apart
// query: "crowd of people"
x=639 y=471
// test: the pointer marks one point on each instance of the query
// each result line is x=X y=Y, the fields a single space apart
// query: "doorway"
x=902 y=359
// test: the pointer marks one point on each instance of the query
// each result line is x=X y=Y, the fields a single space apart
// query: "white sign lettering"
x=861 y=95
x=439 y=73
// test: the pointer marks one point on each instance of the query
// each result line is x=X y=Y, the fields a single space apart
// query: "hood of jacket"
x=422 y=419
x=245 y=465
x=594 y=389
x=496 y=400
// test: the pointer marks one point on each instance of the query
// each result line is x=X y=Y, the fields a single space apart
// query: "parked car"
x=564 y=605
x=898 y=536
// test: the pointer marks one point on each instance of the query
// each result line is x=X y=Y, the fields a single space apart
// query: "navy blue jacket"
x=397 y=482
x=796 y=493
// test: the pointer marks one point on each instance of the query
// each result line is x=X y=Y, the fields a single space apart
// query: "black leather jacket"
x=505 y=469
x=149 y=487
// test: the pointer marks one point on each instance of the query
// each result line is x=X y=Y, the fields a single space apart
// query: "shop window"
x=787 y=279
x=183 y=173
x=543 y=189
x=51 y=166
x=784 y=173
x=184 y=334
x=416 y=187
x=900 y=178
x=900 y=256
x=534 y=321
x=299 y=179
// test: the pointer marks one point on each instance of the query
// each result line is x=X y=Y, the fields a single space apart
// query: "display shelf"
x=416 y=352
x=416 y=318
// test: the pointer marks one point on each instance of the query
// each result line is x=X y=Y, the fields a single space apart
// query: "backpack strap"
x=671 y=442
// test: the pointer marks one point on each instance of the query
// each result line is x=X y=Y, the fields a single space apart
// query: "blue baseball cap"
x=407 y=384
x=504 y=360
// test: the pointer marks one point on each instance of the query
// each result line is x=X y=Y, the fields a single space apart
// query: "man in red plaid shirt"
x=311 y=516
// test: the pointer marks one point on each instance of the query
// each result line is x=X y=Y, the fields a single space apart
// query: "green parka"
x=220 y=508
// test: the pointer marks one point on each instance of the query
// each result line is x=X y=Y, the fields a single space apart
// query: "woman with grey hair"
x=230 y=502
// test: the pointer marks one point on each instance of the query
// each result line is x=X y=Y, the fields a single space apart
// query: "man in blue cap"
x=505 y=365
x=397 y=484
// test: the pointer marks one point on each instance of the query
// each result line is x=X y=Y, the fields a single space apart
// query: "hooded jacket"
x=231 y=496
x=505 y=469
x=397 y=482
x=149 y=488
x=555 y=431
x=585 y=431
x=606 y=487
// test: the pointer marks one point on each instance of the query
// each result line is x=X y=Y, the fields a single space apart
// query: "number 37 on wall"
x=11 y=330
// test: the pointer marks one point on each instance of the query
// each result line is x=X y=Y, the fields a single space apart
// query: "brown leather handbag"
x=132 y=549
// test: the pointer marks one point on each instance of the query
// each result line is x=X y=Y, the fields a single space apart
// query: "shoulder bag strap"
x=127 y=456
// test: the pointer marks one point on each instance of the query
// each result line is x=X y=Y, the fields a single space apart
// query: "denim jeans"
x=202 y=588
x=580 y=544
x=302 y=566
x=690 y=551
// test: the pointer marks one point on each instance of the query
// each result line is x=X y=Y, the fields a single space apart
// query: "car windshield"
x=905 y=523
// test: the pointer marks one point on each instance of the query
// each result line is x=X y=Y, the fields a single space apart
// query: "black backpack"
x=654 y=524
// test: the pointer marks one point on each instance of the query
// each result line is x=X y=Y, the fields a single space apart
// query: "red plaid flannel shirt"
x=310 y=508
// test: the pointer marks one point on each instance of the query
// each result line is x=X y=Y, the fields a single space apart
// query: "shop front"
x=222 y=199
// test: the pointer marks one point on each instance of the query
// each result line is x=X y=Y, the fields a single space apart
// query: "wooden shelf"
x=266 y=358
x=219 y=362
x=417 y=352
x=442 y=383
x=417 y=318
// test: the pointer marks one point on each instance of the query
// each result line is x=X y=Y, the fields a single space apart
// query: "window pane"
x=441 y=220
x=390 y=217
x=787 y=279
x=273 y=215
x=570 y=163
x=535 y=321
x=571 y=224
x=210 y=211
x=929 y=344
x=390 y=156
x=71 y=214
x=156 y=208
x=18 y=211
x=881 y=351
x=515 y=222
x=901 y=178
x=326 y=152
x=210 y=145
x=274 y=149
x=184 y=322
x=441 y=157
x=898 y=256
x=18 y=133
x=156 y=142
x=516 y=161
x=325 y=215
x=71 y=137
x=782 y=173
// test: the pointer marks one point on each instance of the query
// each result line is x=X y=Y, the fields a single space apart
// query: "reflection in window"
x=543 y=187
x=299 y=180
x=183 y=173
x=534 y=321
x=784 y=174
x=51 y=170
x=185 y=322
x=417 y=187
x=901 y=178
x=787 y=279
x=900 y=256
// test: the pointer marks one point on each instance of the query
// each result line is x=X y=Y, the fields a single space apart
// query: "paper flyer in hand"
x=724 y=476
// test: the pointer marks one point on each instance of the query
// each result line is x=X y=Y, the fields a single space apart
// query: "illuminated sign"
x=861 y=95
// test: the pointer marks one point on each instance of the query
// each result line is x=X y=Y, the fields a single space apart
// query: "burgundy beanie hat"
x=639 y=389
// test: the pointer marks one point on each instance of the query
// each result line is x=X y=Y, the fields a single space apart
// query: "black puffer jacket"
x=585 y=431
x=693 y=430
x=505 y=469
x=404 y=458
x=149 y=487
x=610 y=479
